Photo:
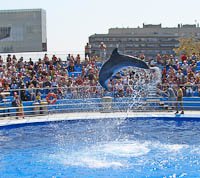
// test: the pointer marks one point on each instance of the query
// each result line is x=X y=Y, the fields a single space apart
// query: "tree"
x=188 y=46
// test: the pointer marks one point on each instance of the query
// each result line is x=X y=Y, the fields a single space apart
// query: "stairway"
x=152 y=91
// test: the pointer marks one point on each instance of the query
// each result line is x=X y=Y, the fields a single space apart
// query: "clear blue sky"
x=71 y=22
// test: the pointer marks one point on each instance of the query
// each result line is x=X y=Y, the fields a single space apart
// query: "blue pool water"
x=134 y=147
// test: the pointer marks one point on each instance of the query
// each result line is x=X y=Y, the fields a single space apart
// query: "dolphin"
x=115 y=63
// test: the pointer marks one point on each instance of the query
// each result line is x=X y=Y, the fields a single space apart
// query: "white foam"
x=117 y=154
x=195 y=150
x=183 y=175
x=125 y=149
x=108 y=155
x=174 y=147
x=82 y=159
x=99 y=163
x=4 y=138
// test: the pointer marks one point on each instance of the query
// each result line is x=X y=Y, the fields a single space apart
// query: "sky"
x=71 y=22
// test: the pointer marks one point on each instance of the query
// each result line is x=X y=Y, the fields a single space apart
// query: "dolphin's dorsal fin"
x=115 y=52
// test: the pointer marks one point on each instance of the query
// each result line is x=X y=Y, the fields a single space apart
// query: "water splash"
x=145 y=85
x=125 y=149
x=118 y=155
x=156 y=75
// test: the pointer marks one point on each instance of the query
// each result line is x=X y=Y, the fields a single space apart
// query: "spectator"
x=38 y=97
x=23 y=93
x=183 y=58
x=18 y=105
x=87 y=50
x=68 y=57
x=102 y=51
x=179 y=74
x=171 y=61
x=46 y=59
x=30 y=62
x=79 y=81
x=71 y=67
x=184 y=67
x=179 y=100
x=188 y=89
x=32 y=92
x=171 y=96
x=159 y=60
x=194 y=57
x=177 y=65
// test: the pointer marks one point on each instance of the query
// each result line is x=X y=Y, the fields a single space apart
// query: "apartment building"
x=148 y=40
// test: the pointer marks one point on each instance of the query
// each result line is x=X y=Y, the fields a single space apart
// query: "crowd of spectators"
x=30 y=78
x=75 y=77
x=183 y=71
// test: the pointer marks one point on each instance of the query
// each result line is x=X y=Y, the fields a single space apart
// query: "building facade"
x=23 y=30
x=148 y=40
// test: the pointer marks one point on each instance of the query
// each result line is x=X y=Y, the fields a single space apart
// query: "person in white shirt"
x=88 y=50
x=102 y=51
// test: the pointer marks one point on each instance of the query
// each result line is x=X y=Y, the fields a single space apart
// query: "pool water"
x=118 y=147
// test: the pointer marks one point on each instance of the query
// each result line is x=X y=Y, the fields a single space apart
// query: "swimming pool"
x=115 y=147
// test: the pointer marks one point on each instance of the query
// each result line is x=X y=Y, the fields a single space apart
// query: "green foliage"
x=187 y=46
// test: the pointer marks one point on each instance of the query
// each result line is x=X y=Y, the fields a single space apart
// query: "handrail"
x=147 y=105
x=89 y=87
x=88 y=101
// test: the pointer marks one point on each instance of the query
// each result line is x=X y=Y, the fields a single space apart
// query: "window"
x=4 y=32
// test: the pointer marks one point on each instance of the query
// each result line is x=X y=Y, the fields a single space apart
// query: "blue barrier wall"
x=95 y=104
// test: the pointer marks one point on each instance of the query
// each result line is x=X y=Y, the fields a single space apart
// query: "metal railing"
x=97 y=106
x=91 y=102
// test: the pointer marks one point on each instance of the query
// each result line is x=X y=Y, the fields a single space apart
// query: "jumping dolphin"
x=115 y=63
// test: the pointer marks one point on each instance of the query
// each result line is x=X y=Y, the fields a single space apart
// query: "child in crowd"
x=38 y=97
